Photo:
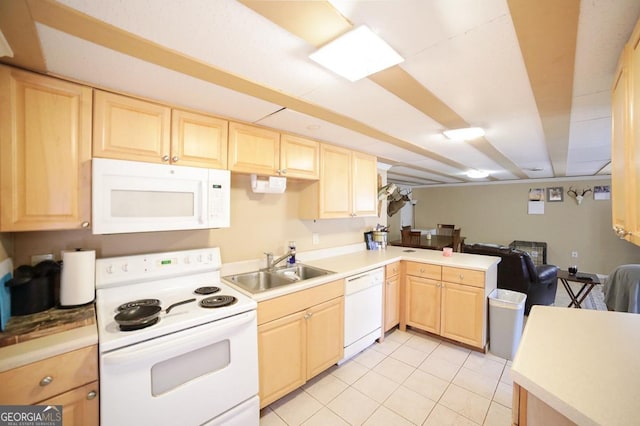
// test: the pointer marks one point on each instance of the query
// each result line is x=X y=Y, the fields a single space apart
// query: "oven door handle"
x=174 y=344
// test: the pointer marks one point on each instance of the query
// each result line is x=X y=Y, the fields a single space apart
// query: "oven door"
x=187 y=378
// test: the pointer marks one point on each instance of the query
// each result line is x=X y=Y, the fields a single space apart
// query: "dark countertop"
x=27 y=327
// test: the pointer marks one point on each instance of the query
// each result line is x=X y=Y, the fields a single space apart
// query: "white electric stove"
x=196 y=364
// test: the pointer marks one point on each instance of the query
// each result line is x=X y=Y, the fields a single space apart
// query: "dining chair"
x=443 y=229
x=410 y=238
x=456 y=240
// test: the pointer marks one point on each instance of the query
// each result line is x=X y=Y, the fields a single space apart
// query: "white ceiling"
x=466 y=52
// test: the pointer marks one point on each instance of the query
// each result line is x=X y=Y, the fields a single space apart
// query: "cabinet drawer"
x=300 y=300
x=25 y=385
x=424 y=270
x=463 y=276
x=392 y=269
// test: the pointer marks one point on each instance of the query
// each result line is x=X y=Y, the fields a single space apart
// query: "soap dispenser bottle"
x=292 y=252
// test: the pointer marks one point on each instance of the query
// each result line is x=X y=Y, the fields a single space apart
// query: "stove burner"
x=206 y=290
x=218 y=301
x=138 y=326
x=141 y=302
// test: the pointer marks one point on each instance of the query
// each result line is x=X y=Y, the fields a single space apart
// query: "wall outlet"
x=574 y=254
x=315 y=239
x=37 y=258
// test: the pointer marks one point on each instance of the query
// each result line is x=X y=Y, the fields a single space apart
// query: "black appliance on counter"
x=34 y=288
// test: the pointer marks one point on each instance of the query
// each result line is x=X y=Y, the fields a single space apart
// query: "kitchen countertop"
x=30 y=338
x=355 y=262
x=583 y=363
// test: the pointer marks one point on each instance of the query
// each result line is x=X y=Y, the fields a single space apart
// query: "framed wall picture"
x=555 y=194
x=536 y=194
x=602 y=192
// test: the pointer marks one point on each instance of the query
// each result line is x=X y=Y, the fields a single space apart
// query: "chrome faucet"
x=272 y=263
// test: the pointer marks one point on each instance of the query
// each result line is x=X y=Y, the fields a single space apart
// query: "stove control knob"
x=109 y=269
x=187 y=260
x=199 y=258
x=125 y=267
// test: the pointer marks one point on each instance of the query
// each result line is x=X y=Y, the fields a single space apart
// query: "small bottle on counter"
x=292 y=252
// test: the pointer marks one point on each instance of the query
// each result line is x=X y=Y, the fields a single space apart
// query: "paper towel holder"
x=269 y=184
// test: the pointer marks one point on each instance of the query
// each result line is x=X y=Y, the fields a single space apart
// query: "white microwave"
x=131 y=196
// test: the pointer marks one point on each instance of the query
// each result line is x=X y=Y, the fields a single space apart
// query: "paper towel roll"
x=77 y=281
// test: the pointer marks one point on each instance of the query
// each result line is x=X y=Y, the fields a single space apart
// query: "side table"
x=587 y=280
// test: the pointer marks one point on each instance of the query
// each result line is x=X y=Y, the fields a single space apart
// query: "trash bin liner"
x=506 y=317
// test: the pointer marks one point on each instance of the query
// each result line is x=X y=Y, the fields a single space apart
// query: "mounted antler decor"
x=574 y=193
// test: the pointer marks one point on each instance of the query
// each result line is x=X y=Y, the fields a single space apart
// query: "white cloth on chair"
x=622 y=289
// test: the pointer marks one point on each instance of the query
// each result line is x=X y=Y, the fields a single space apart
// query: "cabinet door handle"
x=165 y=158
x=308 y=315
x=461 y=277
x=91 y=395
x=175 y=158
x=46 y=380
x=84 y=224
x=283 y=171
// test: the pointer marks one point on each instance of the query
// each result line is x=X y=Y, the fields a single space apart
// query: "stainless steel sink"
x=258 y=281
x=302 y=272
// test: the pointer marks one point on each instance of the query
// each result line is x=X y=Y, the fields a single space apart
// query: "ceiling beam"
x=20 y=31
x=299 y=18
x=547 y=32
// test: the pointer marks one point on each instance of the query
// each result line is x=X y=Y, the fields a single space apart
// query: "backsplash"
x=259 y=223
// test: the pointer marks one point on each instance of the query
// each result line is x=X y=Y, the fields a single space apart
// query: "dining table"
x=436 y=242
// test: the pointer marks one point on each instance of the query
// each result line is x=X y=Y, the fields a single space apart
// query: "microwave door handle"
x=178 y=345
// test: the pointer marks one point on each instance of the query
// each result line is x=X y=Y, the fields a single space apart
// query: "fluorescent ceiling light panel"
x=357 y=54
x=464 y=134
x=477 y=174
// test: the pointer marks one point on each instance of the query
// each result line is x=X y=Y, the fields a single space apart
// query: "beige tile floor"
x=409 y=379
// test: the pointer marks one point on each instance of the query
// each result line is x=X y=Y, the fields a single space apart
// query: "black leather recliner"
x=517 y=272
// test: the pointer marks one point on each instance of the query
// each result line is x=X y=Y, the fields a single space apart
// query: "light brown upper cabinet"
x=132 y=129
x=625 y=142
x=347 y=186
x=125 y=128
x=253 y=149
x=266 y=152
x=45 y=152
x=198 y=140
x=299 y=157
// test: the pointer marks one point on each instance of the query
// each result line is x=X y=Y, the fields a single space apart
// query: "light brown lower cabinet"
x=80 y=406
x=528 y=410
x=69 y=379
x=448 y=301
x=392 y=296
x=299 y=336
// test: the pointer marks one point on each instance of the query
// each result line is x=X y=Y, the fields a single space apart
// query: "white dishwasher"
x=362 y=311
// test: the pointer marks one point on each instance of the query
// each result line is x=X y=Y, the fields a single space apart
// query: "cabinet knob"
x=46 y=380
x=308 y=315
x=461 y=276
x=422 y=270
x=84 y=224
x=283 y=171
x=165 y=158
x=175 y=158
x=91 y=395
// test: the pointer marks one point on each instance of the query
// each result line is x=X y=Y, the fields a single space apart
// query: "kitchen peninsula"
x=577 y=366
